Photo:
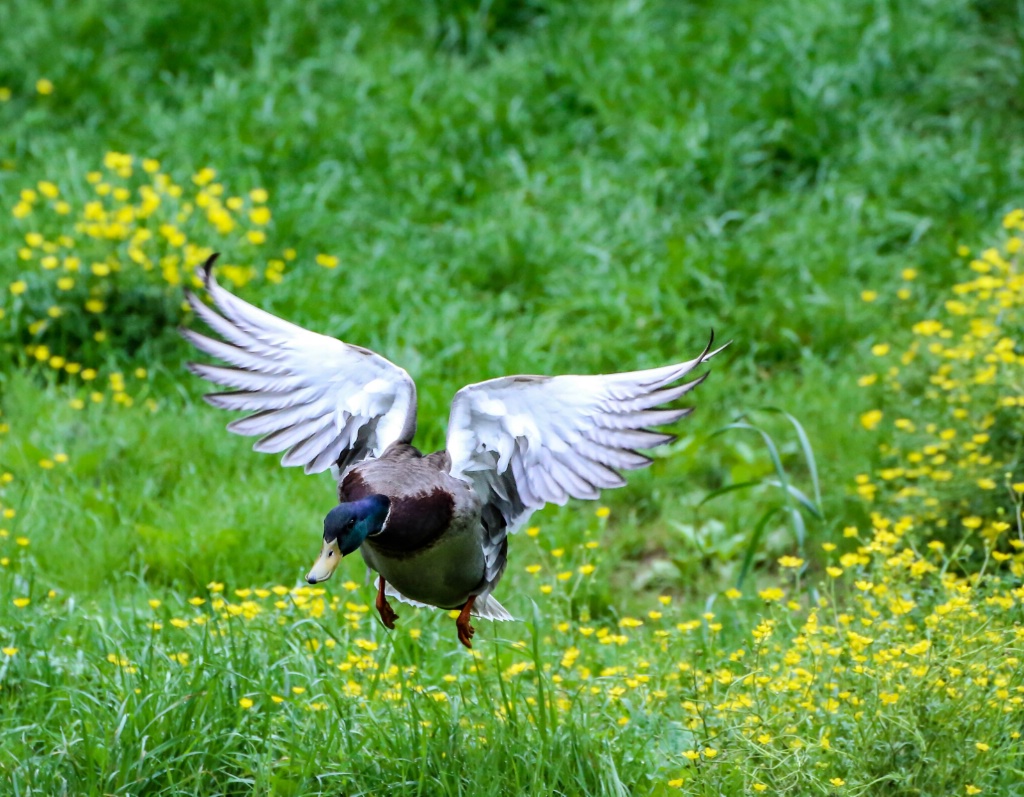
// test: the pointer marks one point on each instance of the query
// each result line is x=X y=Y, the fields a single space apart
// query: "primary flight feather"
x=434 y=528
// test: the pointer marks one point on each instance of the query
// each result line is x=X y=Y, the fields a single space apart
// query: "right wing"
x=322 y=401
x=524 y=441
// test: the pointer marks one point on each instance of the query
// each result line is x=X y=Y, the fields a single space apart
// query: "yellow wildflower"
x=870 y=419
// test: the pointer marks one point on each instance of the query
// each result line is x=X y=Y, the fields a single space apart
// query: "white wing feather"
x=322 y=401
x=524 y=441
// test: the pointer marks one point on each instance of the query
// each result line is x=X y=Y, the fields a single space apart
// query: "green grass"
x=513 y=187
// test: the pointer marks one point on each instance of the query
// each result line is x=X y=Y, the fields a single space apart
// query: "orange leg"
x=387 y=614
x=465 y=629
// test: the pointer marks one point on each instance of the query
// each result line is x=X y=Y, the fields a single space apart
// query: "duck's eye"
x=351 y=523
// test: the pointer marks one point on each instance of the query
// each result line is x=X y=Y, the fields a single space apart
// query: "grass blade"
x=755 y=538
x=805 y=445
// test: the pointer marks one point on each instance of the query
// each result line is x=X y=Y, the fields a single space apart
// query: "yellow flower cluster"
x=950 y=405
x=104 y=261
x=811 y=681
x=896 y=646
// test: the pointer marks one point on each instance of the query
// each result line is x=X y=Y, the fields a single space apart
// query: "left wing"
x=524 y=441
x=324 y=402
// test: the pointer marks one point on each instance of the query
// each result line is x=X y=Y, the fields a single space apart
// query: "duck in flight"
x=433 y=527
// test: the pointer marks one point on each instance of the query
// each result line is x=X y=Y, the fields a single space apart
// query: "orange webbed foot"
x=466 y=631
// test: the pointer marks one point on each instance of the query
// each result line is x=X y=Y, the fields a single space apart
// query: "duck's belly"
x=445 y=574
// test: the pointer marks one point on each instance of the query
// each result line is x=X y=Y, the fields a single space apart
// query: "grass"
x=513 y=187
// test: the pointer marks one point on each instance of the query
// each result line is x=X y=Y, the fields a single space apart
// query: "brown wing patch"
x=384 y=475
x=353 y=487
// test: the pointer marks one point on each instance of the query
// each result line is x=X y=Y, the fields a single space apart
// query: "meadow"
x=816 y=590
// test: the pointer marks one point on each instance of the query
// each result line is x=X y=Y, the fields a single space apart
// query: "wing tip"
x=206 y=270
x=185 y=332
x=204 y=273
x=707 y=354
x=214 y=399
x=667 y=439
x=697 y=383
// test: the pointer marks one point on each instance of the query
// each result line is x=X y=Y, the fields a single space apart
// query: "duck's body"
x=431 y=548
x=435 y=528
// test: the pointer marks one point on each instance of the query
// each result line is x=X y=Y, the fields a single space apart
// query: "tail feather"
x=488 y=608
x=485 y=607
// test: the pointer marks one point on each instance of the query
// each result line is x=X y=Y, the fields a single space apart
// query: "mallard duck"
x=434 y=528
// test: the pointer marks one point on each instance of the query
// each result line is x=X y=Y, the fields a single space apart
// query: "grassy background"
x=511 y=187
x=546 y=187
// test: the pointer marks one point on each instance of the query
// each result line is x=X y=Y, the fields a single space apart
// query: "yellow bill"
x=325 y=565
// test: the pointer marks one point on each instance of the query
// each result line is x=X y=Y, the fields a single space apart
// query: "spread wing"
x=524 y=441
x=322 y=401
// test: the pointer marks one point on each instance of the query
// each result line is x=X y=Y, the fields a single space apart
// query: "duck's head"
x=345 y=528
